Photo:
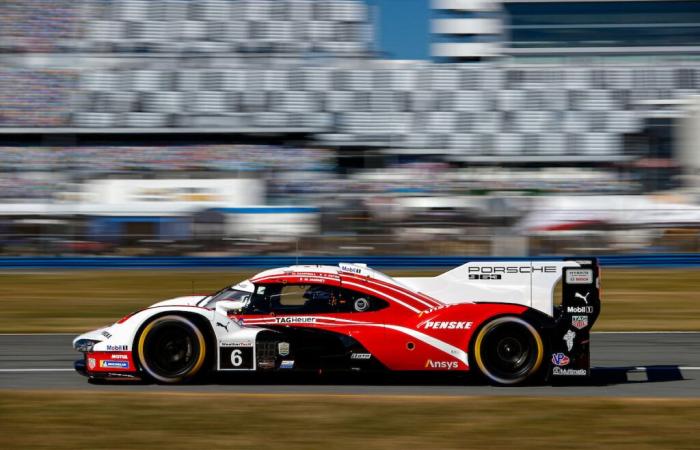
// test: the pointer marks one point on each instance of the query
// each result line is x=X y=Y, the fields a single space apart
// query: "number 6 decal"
x=237 y=358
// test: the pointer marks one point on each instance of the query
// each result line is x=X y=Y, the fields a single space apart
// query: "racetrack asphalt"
x=643 y=364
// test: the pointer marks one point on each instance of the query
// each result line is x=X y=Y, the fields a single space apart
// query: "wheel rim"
x=508 y=350
x=171 y=348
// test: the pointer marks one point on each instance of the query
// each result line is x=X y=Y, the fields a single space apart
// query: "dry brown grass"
x=72 y=301
x=69 y=420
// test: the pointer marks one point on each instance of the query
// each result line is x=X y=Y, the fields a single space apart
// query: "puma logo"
x=225 y=327
x=583 y=297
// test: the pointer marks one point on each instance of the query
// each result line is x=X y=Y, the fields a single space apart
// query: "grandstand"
x=306 y=67
x=293 y=93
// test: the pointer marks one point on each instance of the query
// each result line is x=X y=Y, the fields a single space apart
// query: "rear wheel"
x=172 y=349
x=508 y=351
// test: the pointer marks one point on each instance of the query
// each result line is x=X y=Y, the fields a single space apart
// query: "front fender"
x=122 y=335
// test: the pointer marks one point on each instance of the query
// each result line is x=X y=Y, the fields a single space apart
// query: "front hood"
x=191 y=300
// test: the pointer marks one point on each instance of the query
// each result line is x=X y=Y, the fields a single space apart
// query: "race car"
x=496 y=318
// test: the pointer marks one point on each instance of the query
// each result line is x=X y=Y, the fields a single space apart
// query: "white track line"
x=37 y=370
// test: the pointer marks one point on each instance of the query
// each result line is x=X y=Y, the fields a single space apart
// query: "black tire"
x=508 y=351
x=172 y=349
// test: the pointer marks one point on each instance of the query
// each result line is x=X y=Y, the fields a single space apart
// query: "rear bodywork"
x=424 y=324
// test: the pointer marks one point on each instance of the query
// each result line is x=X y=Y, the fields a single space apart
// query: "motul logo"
x=449 y=365
x=431 y=325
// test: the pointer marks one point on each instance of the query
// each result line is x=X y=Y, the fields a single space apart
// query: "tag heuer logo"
x=579 y=322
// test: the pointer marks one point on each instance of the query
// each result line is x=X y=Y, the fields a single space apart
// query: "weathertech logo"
x=448 y=365
x=431 y=325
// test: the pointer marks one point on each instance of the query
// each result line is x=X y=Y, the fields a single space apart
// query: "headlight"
x=84 y=345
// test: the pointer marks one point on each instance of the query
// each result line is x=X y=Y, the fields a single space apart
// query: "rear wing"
x=525 y=282
x=579 y=309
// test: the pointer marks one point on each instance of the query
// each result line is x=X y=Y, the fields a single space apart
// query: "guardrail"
x=255 y=262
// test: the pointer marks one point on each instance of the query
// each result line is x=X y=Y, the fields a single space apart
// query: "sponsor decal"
x=560 y=359
x=283 y=348
x=428 y=311
x=118 y=356
x=91 y=363
x=579 y=309
x=449 y=365
x=114 y=364
x=225 y=327
x=117 y=348
x=361 y=356
x=579 y=276
x=438 y=325
x=312 y=280
x=484 y=276
x=569 y=372
x=287 y=364
x=579 y=322
x=361 y=304
x=240 y=357
x=106 y=334
x=583 y=297
x=513 y=269
x=296 y=319
x=351 y=269
x=569 y=339
x=236 y=344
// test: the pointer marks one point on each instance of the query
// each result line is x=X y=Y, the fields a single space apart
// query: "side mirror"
x=225 y=306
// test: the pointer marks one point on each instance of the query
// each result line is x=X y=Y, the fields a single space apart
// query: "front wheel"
x=172 y=349
x=508 y=351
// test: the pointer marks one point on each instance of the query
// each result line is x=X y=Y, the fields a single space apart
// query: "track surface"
x=626 y=364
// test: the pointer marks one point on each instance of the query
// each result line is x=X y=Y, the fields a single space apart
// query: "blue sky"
x=403 y=28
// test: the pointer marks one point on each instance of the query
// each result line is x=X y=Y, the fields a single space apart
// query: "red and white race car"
x=497 y=318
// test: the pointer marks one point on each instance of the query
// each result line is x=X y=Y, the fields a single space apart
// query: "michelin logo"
x=569 y=339
x=115 y=364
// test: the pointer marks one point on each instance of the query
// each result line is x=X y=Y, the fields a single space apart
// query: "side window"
x=358 y=302
x=295 y=299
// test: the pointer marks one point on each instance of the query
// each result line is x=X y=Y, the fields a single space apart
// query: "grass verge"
x=74 y=301
x=69 y=420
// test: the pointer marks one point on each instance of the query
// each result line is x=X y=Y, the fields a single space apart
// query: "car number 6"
x=236 y=358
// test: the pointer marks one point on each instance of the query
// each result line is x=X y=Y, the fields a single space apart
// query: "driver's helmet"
x=318 y=294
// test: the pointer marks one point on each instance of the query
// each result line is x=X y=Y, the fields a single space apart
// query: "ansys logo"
x=441 y=364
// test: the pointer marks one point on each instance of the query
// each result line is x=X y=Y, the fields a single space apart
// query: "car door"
x=303 y=313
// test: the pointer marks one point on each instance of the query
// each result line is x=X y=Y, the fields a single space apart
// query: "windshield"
x=229 y=294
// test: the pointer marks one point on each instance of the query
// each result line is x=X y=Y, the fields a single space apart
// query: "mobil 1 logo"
x=236 y=358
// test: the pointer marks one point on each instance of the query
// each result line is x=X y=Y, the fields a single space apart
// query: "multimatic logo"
x=569 y=372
